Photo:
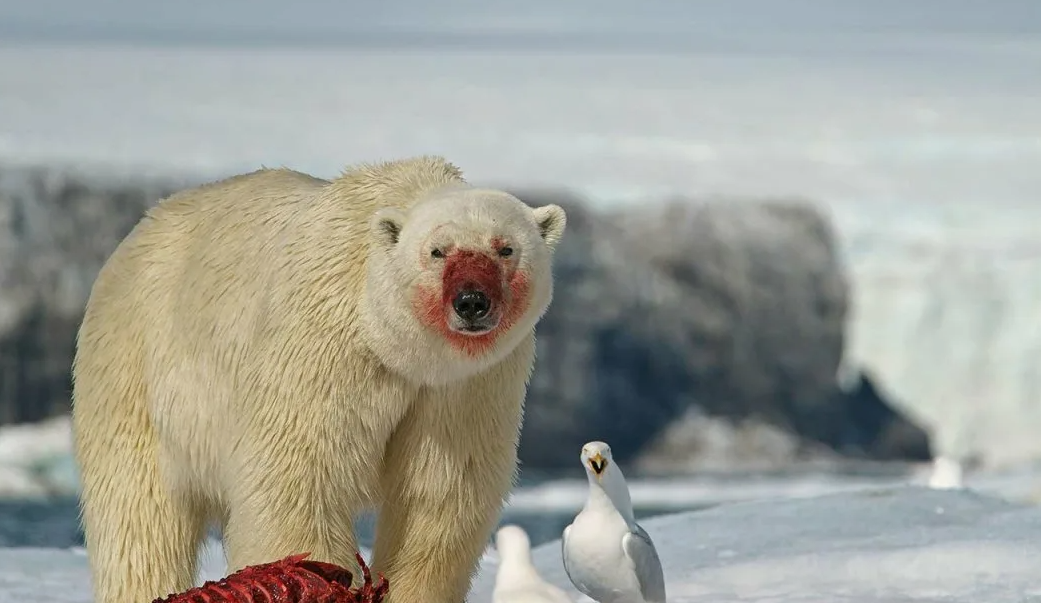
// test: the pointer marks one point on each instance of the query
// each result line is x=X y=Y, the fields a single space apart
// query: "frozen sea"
x=881 y=545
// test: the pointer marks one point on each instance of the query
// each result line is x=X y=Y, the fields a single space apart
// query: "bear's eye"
x=506 y=252
x=437 y=253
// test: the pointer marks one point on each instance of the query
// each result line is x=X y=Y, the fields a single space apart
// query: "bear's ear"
x=551 y=221
x=386 y=226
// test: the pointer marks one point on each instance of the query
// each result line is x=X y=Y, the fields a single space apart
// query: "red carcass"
x=291 y=580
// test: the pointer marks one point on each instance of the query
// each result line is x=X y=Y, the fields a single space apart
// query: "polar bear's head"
x=454 y=284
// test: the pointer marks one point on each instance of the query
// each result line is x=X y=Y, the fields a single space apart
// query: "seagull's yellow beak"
x=597 y=463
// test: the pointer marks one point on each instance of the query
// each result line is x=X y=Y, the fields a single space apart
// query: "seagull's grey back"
x=648 y=569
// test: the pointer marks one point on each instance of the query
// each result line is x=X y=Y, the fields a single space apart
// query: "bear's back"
x=266 y=198
x=237 y=220
x=198 y=263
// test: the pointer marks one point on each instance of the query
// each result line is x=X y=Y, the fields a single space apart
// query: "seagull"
x=607 y=555
x=946 y=474
x=517 y=581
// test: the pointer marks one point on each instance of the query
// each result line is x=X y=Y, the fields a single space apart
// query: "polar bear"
x=275 y=352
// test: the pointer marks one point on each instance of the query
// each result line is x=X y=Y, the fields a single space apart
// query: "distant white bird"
x=607 y=555
x=517 y=581
x=946 y=474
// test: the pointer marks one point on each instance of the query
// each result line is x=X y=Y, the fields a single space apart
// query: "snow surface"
x=876 y=546
x=915 y=123
x=889 y=545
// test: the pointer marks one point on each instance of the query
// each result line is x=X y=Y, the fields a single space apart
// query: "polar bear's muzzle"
x=474 y=288
x=473 y=312
x=471 y=305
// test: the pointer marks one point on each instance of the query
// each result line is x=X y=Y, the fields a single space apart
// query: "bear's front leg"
x=292 y=497
x=447 y=471
x=288 y=514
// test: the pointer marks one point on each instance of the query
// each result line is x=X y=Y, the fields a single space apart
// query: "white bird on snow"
x=517 y=581
x=946 y=474
x=607 y=555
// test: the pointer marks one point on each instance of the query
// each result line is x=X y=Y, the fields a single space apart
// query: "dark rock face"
x=875 y=429
x=736 y=310
x=611 y=365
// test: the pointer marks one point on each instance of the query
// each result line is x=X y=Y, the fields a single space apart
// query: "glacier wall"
x=946 y=311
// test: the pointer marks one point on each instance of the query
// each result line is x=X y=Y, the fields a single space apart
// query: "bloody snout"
x=471 y=304
x=473 y=285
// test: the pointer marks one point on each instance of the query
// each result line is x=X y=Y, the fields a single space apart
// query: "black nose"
x=471 y=304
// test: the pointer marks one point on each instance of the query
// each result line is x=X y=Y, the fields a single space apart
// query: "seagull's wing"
x=563 y=551
x=640 y=550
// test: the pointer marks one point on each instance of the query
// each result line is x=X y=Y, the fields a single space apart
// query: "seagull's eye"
x=437 y=253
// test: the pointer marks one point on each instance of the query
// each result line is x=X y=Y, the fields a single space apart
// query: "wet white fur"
x=248 y=358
